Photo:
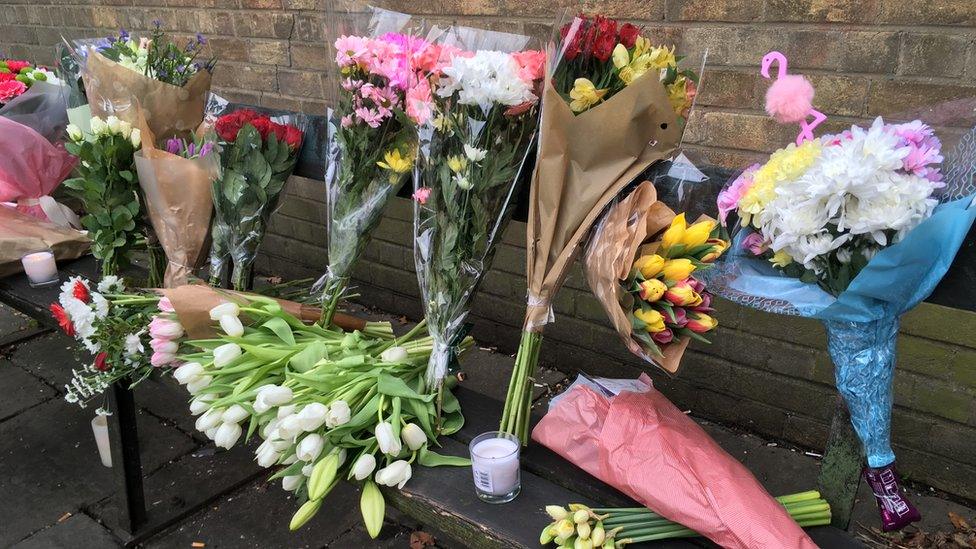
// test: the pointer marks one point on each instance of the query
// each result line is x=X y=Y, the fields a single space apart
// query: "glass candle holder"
x=40 y=268
x=495 y=464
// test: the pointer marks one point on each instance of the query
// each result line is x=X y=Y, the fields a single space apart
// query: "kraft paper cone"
x=169 y=110
x=584 y=161
x=194 y=301
x=179 y=203
x=21 y=234
x=611 y=255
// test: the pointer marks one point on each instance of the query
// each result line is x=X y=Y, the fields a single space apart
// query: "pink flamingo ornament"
x=790 y=97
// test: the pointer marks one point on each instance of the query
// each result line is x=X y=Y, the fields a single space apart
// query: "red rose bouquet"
x=258 y=153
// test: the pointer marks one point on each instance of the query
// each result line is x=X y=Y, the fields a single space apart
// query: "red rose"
x=64 y=321
x=279 y=130
x=228 y=125
x=263 y=125
x=603 y=48
x=293 y=136
x=629 y=34
x=80 y=291
x=100 y=359
x=16 y=66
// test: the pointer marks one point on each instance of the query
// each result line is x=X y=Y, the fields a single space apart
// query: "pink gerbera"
x=350 y=50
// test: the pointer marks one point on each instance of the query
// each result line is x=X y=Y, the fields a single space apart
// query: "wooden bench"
x=442 y=498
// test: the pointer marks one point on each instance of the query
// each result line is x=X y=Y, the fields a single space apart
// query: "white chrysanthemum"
x=100 y=306
x=111 y=284
x=133 y=345
x=486 y=78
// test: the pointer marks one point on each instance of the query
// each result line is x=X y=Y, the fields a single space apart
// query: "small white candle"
x=100 y=427
x=495 y=463
x=40 y=267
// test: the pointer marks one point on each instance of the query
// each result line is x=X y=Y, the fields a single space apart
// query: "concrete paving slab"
x=21 y=390
x=49 y=357
x=78 y=530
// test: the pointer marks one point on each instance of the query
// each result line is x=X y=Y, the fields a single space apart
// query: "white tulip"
x=113 y=123
x=136 y=137
x=290 y=459
x=98 y=126
x=339 y=413
x=394 y=354
x=224 y=309
x=307 y=470
x=74 y=132
x=313 y=416
x=281 y=445
x=388 y=440
x=185 y=373
x=208 y=421
x=290 y=427
x=260 y=404
x=413 y=436
x=235 y=414
x=310 y=447
x=211 y=432
x=285 y=411
x=227 y=435
x=225 y=354
x=267 y=456
x=342 y=456
x=269 y=428
x=198 y=406
x=198 y=384
x=232 y=326
x=364 y=466
x=276 y=395
x=395 y=474
x=292 y=483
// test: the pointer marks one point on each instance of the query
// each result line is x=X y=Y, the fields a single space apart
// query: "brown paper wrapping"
x=179 y=203
x=21 y=234
x=194 y=301
x=170 y=110
x=618 y=240
x=584 y=161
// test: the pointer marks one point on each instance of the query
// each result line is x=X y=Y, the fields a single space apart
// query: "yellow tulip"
x=718 y=248
x=675 y=232
x=652 y=289
x=781 y=259
x=702 y=324
x=584 y=95
x=677 y=269
x=697 y=234
x=652 y=319
x=649 y=265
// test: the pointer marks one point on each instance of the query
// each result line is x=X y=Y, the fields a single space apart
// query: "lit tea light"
x=495 y=464
x=40 y=268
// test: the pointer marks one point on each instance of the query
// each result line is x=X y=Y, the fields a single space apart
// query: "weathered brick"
x=308 y=84
x=246 y=76
x=943 y=400
x=924 y=357
x=227 y=49
x=831 y=11
x=267 y=52
x=935 y=12
x=261 y=4
x=913 y=98
x=279 y=102
x=932 y=54
x=941 y=323
x=310 y=28
x=265 y=25
x=310 y=57
x=714 y=10
x=731 y=88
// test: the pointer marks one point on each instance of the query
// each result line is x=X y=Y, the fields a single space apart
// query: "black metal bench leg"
x=125 y=444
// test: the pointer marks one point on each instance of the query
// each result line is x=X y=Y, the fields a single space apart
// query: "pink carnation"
x=531 y=63
x=11 y=89
x=421 y=195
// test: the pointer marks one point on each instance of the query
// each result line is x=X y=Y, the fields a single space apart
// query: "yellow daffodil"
x=653 y=320
x=649 y=265
x=457 y=164
x=781 y=259
x=677 y=269
x=584 y=95
x=675 y=232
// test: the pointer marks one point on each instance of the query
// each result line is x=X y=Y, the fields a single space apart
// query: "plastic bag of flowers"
x=614 y=103
x=854 y=229
x=379 y=61
x=258 y=152
x=480 y=105
x=176 y=176
x=640 y=264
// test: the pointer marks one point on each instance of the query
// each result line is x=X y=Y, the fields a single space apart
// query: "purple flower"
x=174 y=146
x=190 y=150
x=157 y=23
x=123 y=35
x=201 y=39
x=205 y=149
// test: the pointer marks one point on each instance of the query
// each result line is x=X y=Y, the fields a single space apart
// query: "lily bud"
x=313 y=416
x=292 y=482
x=652 y=289
x=276 y=395
x=235 y=414
x=225 y=354
x=322 y=476
x=208 y=421
x=678 y=269
x=394 y=354
x=388 y=441
x=364 y=466
x=649 y=265
x=557 y=512
x=304 y=514
x=339 y=413
x=581 y=516
x=227 y=435
x=413 y=436
x=584 y=530
x=582 y=543
x=395 y=474
x=310 y=447
x=198 y=384
x=224 y=309
x=565 y=528
x=185 y=373
x=599 y=534
x=232 y=326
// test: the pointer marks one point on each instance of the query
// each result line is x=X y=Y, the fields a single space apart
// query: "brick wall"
x=767 y=373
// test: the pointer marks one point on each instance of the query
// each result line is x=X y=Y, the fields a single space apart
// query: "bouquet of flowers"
x=176 y=179
x=644 y=279
x=628 y=98
x=117 y=328
x=257 y=155
x=484 y=116
x=854 y=229
x=16 y=77
x=371 y=138
x=328 y=405
x=107 y=185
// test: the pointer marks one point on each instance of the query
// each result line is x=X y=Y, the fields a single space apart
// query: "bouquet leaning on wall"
x=479 y=126
x=628 y=97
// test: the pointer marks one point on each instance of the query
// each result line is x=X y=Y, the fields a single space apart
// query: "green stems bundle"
x=613 y=528
x=518 y=402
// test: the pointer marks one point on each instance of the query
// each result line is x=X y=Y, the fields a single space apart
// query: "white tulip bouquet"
x=328 y=405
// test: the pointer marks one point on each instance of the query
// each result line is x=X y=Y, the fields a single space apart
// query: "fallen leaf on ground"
x=420 y=540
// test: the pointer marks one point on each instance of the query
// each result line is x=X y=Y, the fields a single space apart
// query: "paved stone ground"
x=54 y=492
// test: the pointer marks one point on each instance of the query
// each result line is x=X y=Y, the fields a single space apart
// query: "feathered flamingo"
x=790 y=97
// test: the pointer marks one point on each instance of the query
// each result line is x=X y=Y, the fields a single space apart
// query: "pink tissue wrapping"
x=644 y=446
x=30 y=166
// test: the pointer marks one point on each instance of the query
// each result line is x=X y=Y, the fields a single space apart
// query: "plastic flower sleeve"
x=40 y=108
x=257 y=155
x=473 y=146
x=32 y=168
x=371 y=141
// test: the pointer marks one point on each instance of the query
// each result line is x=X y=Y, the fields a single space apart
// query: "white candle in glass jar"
x=40 y=267
x=495 y=464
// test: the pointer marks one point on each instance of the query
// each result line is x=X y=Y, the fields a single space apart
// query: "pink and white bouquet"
x=117 y=328
x=820 y=211
x=371 y=141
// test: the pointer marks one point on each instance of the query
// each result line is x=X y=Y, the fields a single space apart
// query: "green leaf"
x=266 y=353
x=373 y=508
x=430 y=458
x=307 y=358
x=395 y=387
x=281 y=329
